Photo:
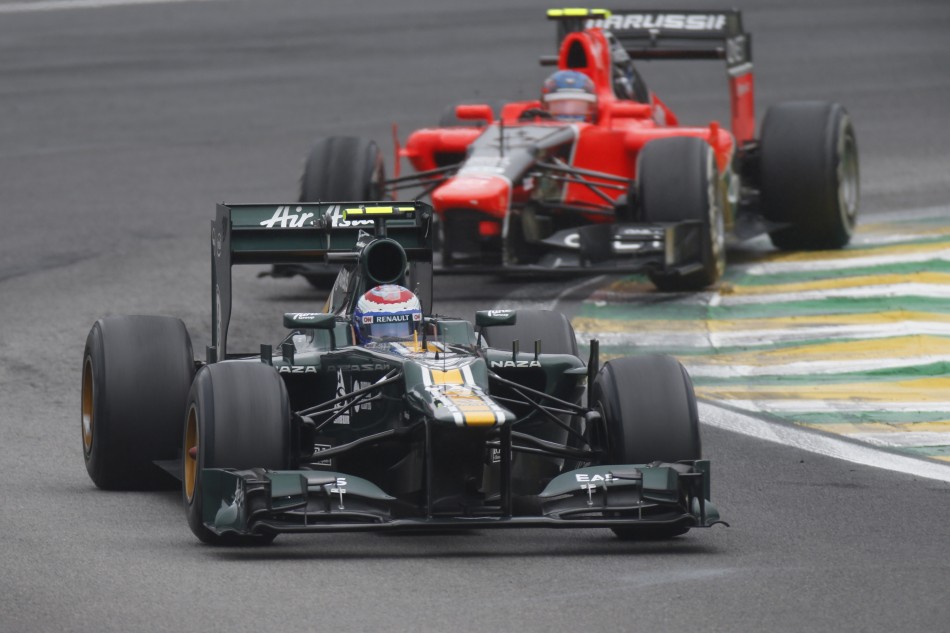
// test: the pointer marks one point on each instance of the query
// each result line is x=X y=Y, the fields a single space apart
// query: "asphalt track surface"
x=121 y=126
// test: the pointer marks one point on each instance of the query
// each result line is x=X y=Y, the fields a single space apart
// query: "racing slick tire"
x=238 y=416
x=650 y=414
x=340 y=169
x=136 y=374
x=553 y=329
x=809 y=175
x=677 y=179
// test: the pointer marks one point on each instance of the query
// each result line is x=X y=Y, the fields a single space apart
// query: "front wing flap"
x=666 y=246
x=261 y=501
x=674 y=247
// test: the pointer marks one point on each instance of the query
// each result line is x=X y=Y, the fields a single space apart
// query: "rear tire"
x=553 y=329
x=650 y=414
x=238 y=416
x=810 y=175
x=340 y=169
x=677 y=179
x=135 y=379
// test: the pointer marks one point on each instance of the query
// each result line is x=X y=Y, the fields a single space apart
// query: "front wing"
x=671 y=248
x=258 y=501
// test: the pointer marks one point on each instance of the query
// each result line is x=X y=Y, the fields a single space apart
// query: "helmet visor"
x=378 y=332
x=380 y=327
x=572 y=108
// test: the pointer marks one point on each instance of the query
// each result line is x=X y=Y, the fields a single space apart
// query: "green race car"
x=449 y=425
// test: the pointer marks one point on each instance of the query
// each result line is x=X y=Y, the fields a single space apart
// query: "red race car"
x=598 y=175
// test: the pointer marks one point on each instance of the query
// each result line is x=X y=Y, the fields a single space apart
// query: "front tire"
x=135 y=379
x=678 y=179
x=238 y=416
x=810 y=175
x=650 y=414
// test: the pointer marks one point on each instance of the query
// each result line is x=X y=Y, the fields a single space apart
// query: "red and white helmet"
x=387 y=313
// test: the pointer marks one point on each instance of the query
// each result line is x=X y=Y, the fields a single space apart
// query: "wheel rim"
x=717 y=224
x=848 y=178
x=190 y=454
x=88 y=406
x=717 y=229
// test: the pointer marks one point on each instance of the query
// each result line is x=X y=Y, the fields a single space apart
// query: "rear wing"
x=307 y=232
x=657 y=34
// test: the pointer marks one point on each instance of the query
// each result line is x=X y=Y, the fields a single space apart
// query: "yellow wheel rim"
x=190 y=453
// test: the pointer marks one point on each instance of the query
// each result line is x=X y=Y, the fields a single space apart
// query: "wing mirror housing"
x=309 y=320
x=492 y=318
x=478 y=112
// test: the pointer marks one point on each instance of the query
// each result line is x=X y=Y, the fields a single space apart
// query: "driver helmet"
x=569 y=96
x=387 y=313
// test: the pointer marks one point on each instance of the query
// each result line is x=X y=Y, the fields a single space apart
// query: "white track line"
x=894 y=291
x=510 y=303
x=60 y=5
x=820 y=443
x=844 y=263
x=697 y=368
x=905 y=438
x=892 y=239
x=770 y=337
x=801 y=406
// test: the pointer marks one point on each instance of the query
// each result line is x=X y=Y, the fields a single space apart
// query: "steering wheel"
x=535 y=113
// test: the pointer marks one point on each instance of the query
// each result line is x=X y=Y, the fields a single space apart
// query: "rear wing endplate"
x=301 y=233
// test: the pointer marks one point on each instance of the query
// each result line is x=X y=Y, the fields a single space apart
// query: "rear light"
x=489 y=229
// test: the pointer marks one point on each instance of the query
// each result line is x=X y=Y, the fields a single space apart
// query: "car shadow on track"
x=479 y=544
